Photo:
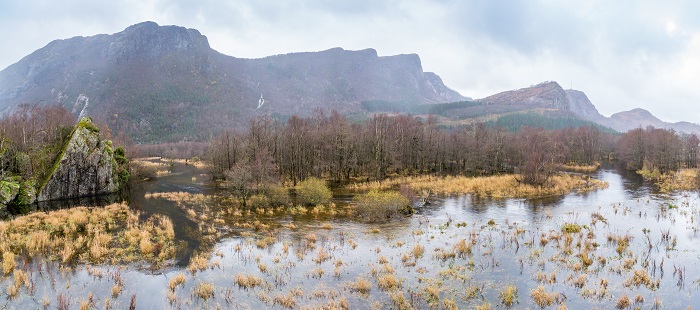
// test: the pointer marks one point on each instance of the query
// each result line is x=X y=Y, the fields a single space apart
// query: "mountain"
x=165 y=83
x=550 y=98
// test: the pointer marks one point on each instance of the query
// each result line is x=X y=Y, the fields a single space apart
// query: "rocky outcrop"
x=548 y=95
x=580 y=105
x=86 y=167
x=8 y=192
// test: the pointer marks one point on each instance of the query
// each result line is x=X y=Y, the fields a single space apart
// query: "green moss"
x=86 y=122
x=27 y=193
x=8 y=190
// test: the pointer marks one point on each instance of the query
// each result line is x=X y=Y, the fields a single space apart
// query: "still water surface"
x=318 y=261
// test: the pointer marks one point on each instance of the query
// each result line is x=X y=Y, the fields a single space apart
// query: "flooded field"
x=622 y=247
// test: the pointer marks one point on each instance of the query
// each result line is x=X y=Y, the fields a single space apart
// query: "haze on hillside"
x=623 y=55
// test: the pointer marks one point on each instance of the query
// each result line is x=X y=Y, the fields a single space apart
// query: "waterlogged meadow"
x=619 y=247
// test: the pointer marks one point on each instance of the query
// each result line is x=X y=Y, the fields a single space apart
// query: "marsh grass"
x=204 y=290
x=509 y=295
x=543 y=298
x=376 y=206
x=579 y=168
x=491 y=186
x=248 y=281
x=683 y=179
x=361 y=285
x=110 y=234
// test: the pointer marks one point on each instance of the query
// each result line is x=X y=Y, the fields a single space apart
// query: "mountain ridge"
x=550 y=95
x=165 y=83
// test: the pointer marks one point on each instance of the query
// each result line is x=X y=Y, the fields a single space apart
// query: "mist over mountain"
x=165 y=83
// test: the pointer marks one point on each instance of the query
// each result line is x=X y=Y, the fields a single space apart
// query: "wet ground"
x=621 y=247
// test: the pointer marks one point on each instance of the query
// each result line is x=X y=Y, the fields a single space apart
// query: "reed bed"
x=111 y=234
x=491 y=186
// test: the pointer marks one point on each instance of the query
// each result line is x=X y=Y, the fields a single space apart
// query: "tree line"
x=329 y=146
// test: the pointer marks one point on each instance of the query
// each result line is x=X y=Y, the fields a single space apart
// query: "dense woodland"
x=329 y=146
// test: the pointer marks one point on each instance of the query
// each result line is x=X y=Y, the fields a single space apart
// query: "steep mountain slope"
x=550 y=98
x=547 y=95
x=165 y=83
x=580 y=105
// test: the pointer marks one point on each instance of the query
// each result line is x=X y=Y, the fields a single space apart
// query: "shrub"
x=313 y=191
x=376 y=206
x=258 y=201
x=277 y=196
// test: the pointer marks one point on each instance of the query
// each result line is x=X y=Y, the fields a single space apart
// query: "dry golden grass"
x=400 y=302
x=8 y=262
x=116 y=289
x=462 y=248
x=361 y=285
x=111 y=234
x=623 y=302
x=192 y=162
x=176 y=281
x=198 y=262
x=580 y=168
x=681 y=180
x=543 y=298
x=204 y=290
x=247 y=281
x=509 y=295
x=388 y=282
x=640 y=277
x=321 y=256
x=491 y=186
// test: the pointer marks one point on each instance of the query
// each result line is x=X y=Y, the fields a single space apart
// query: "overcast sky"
x=622 y=54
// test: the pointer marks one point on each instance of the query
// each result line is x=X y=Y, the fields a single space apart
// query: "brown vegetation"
x=110 y=234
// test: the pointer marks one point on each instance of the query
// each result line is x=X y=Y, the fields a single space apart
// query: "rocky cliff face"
x=580 y=105
x=165 y=83
x=86 y=167
x=548 y=95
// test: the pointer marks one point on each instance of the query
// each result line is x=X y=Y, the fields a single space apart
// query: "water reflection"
x=523 y=240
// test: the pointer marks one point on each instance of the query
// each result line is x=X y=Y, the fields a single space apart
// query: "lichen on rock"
x=85 y=167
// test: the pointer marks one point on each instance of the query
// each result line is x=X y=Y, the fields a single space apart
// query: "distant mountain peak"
x=548 y=95
x=165 y=83
x=151 y=40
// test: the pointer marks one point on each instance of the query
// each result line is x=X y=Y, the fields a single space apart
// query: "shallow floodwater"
x=632 y=242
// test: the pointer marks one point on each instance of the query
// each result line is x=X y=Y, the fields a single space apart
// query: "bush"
x=258 y=201
x=277 y=195
x=313 y=191
x=378 y=206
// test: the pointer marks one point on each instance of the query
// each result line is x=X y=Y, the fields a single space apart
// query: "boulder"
x=85 y=167
x=8 y=192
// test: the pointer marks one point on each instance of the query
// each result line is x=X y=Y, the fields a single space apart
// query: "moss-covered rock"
x=85 y=167
x=27 y=193
x=8 y=191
